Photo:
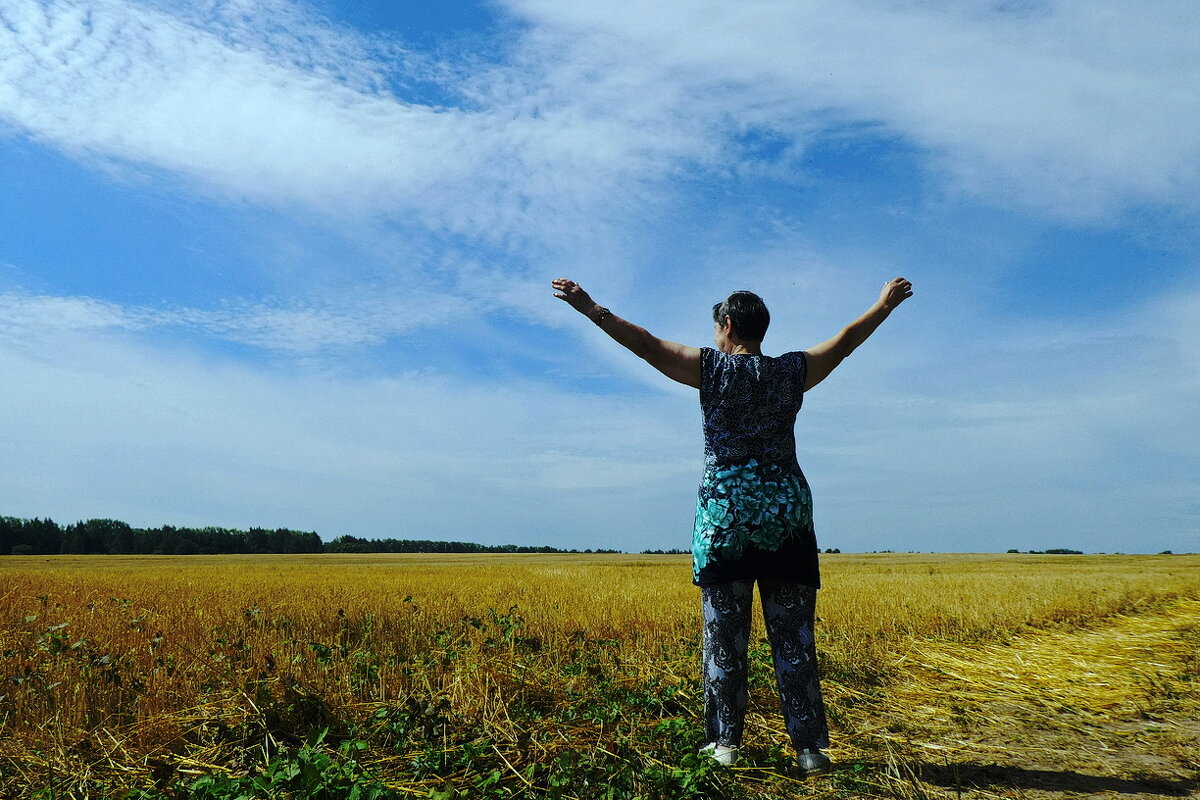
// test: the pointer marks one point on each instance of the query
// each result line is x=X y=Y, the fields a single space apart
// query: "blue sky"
x=287 y=264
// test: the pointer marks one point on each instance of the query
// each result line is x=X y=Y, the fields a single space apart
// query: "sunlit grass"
x=115 y=664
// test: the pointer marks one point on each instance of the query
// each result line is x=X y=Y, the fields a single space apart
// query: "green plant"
x=313 y=771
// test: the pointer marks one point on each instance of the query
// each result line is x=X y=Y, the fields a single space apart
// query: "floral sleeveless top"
x=754 y=507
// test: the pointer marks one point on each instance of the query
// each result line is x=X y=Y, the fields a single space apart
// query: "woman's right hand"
x=573 y=294
x=895 y=292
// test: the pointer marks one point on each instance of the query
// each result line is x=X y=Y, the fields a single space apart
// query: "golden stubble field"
x=577 y=676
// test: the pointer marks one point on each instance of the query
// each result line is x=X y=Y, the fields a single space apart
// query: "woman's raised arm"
x=677 y=361
x=825 y=357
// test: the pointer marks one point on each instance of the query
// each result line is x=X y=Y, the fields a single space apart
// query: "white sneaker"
x=720 y=753
x=813 y=762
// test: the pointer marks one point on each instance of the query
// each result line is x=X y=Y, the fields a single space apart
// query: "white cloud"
x=35 y=322
x=20 y=315
x=119 y=80
x=563 y=151
x=107 y=425
x=1051 y=434
x=557 y=159
x=1080 y=108
x=294 y=112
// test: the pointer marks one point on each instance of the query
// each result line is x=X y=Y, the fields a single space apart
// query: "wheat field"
x=545 y=675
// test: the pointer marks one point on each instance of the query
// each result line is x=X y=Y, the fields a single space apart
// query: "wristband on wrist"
x=601 y=315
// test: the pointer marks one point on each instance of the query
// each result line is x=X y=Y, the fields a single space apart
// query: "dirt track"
x=1110 y=712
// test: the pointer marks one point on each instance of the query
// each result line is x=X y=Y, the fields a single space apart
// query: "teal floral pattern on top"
x=748 y=504
x=754 y=506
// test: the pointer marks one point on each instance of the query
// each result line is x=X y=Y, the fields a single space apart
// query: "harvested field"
x=575 y=676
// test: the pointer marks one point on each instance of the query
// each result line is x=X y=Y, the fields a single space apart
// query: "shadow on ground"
x=968 y=775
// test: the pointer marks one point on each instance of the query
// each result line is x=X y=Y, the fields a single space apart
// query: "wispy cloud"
x=1082 y=109
x=31 y=320
x=283 y=116
x=1078 y=108
x=564 y=144
x=105 y=424
x=298 y=113
x=1076 y=431
x=573 y=148
x=1049 y=434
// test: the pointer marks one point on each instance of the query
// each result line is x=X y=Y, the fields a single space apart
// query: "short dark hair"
x=747 y=312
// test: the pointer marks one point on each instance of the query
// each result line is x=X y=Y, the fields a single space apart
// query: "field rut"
x=1110 y=711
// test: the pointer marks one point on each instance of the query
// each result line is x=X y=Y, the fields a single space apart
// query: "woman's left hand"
x=572 y=293
x=895 y=292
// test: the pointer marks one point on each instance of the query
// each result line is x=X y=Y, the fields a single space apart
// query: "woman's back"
x=754 y=507
x=749 y=404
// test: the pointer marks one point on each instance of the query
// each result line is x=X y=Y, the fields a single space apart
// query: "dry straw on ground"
x=143 y=671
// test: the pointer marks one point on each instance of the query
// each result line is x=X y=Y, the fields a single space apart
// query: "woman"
x=754 y=510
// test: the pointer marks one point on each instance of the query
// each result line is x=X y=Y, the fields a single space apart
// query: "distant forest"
x=30 y=537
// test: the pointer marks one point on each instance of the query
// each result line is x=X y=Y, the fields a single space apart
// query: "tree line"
x=29 y=537
x=353 y=544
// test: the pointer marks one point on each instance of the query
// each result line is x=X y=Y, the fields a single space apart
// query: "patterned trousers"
x=788 y=609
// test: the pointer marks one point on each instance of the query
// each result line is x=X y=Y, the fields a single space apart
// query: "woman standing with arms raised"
x=754 y=510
